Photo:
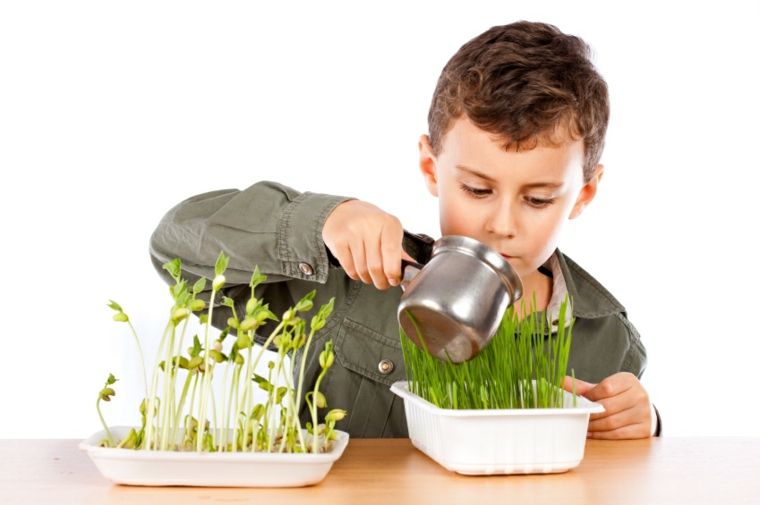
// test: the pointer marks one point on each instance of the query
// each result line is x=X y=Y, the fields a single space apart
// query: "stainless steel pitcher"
x=458 y=298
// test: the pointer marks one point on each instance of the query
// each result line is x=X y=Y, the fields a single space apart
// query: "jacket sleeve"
x=635 y=360
x=268 y=225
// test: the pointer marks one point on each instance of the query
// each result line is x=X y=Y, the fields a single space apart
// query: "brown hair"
x=528 y=83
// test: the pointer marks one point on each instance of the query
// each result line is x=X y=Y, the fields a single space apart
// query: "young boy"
x=517 y=126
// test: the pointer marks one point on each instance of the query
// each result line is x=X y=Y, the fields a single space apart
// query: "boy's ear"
x=428 y=165
x=587 y=193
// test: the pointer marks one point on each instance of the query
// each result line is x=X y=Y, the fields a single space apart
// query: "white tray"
x=504 y=441
x=218 y=469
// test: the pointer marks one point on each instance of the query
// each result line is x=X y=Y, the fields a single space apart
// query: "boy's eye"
x=539 y=202
x=475 y=192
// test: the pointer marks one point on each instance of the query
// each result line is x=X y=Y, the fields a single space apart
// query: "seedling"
x=240 y=425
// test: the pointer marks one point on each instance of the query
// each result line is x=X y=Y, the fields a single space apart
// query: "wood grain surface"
x=696 y=470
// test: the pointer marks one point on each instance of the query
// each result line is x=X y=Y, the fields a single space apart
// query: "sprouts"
x=178 y=409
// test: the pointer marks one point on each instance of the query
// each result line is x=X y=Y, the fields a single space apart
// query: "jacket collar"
x=590 y=298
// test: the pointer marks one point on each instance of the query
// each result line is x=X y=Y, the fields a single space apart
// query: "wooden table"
x=719 y=470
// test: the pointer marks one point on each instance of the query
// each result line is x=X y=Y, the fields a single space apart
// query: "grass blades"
x=520 y=368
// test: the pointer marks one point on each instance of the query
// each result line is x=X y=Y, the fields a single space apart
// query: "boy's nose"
x=502 y=222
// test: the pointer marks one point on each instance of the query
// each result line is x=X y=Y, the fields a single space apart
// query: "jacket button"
x=306 y=268
x=385 y=366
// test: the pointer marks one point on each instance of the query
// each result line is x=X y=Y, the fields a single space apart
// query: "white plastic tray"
x=488 y=442
x=218 y=469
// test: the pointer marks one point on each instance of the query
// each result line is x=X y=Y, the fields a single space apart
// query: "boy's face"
x=514 y=202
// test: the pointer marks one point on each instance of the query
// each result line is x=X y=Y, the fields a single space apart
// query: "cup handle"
x=409 y=270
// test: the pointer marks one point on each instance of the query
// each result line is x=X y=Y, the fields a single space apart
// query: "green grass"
x=502 y=376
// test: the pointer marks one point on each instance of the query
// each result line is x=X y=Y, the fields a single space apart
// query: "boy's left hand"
x=628 y=412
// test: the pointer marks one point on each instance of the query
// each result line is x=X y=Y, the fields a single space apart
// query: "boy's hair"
x=528 y=83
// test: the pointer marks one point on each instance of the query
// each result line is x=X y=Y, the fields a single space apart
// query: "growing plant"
x=519 y=368
x=240 y=424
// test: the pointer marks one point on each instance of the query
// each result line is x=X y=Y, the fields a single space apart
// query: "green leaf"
x=258 y=379
x=263 y=313
x=196 y=347
x=183 y=299
x=326 y=309
x=257 y=411
x=281 y=392
x=221 y=263
x=199 y=286
x=266 y=386
x=115 y=306
x=111 y=379
x=227 y=301
x=174 y=268
x=306 y=303
x=224 y=333
x=257 y=278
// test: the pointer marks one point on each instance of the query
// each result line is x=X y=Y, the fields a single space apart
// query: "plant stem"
x=304 y=355
x=223 y=433
x=142 y=361
x=192 y=400
x=175 y=373
x=178 y=412
x=213 y=411
x=234 y=416
x=293 y=402
x=314 y=424
x=206 y=373
x=168 y=373
x=103 y=421
x=151 y=407
x=241 y=405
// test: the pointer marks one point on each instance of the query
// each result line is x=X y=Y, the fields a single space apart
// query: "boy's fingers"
x=614 y=385
x=346 y=260
x=624 y=424
x=375 y=264
x=405 y=256
x=390 y=244
x=629 y=432
x=581 y=387
x=360 y=262
x=611 y=407
x=609 y=387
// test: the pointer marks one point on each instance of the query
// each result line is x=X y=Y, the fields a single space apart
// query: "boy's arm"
x=267 y=225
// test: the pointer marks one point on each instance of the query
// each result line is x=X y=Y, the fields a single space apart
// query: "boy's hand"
x=367 y=242
x=628 y=412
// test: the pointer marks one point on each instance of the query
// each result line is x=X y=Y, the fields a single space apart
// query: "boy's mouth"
x=506 y=257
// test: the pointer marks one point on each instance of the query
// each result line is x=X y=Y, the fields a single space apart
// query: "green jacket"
x=280 y=230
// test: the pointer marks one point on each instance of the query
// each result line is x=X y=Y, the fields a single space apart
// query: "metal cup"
x=458 y=298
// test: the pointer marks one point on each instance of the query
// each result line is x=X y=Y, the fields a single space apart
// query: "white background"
x=112 y=112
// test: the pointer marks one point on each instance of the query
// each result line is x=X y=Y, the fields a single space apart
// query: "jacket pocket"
x=369 y=353
x=359 y=386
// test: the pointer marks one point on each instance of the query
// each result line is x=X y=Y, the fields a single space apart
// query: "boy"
x=517 y=126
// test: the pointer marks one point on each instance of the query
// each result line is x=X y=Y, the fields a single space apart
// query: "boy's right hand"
x=367 y=242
